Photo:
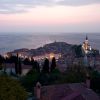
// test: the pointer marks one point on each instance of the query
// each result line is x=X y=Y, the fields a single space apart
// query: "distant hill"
x=55 y=47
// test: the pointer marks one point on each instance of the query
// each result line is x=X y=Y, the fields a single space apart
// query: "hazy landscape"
x=49 y=49
x=9 y=42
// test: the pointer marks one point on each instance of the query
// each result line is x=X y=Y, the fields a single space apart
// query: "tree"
x=95 y=81
x=27 y=61
x=36 y=66
x=55 y=75
x=30 y=80
x=32 y=62
x=74 y=74
x=1 y=62
x=53 y=64
x=13 y=59
x=19 y=66
x=78 y=50
x=11 y=89
x=46 y=66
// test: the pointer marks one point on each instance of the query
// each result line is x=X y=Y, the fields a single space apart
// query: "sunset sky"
x=50 y=16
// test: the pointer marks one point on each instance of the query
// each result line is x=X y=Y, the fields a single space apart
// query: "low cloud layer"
x=18 y=6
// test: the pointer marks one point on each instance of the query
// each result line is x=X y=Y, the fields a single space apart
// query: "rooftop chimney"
x=38 y=90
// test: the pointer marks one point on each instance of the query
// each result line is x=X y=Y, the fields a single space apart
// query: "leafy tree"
x=78 y=50
x=30 y=80
x=95 y=81
x=55 y=75
x=53 y=64
x=44 y=78
x=35 y=65
x=46 y=66
x=11 y=89
x=49 y=78
x=13 y=59
x=8 y=60
x=17 y=61
x=74 y=74
x=27 y=61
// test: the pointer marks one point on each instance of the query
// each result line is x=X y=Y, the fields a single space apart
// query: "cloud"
x=77 y=2
x=10 y=8
x=18 y=6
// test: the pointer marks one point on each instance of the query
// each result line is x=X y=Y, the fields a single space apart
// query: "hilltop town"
x=65 y=54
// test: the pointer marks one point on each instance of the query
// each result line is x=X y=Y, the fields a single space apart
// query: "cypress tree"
x=37 y=66
x=16 y=64
x=19 y=66
x=13 y=59
x=46 y=66
x=53 y=64
x=1 y=62
x=32 y=63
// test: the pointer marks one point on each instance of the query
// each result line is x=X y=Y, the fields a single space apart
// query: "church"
x=86 y=47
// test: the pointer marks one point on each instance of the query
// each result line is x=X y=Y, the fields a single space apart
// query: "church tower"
x=86 y=40
x=86 y=48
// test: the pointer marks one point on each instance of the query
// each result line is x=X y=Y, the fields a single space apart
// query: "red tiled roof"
x=74 y=91
x=74 y=96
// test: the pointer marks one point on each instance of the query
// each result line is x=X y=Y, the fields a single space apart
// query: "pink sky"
x=45 y=19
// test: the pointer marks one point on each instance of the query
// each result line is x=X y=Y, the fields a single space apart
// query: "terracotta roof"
x=74 y=96
x=74 y=91
x=86 y=93
x=55 y=92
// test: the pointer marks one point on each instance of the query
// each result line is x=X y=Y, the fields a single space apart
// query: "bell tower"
x=86 y=48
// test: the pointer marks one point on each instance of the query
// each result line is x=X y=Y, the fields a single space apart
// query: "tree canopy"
x=11 y=89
